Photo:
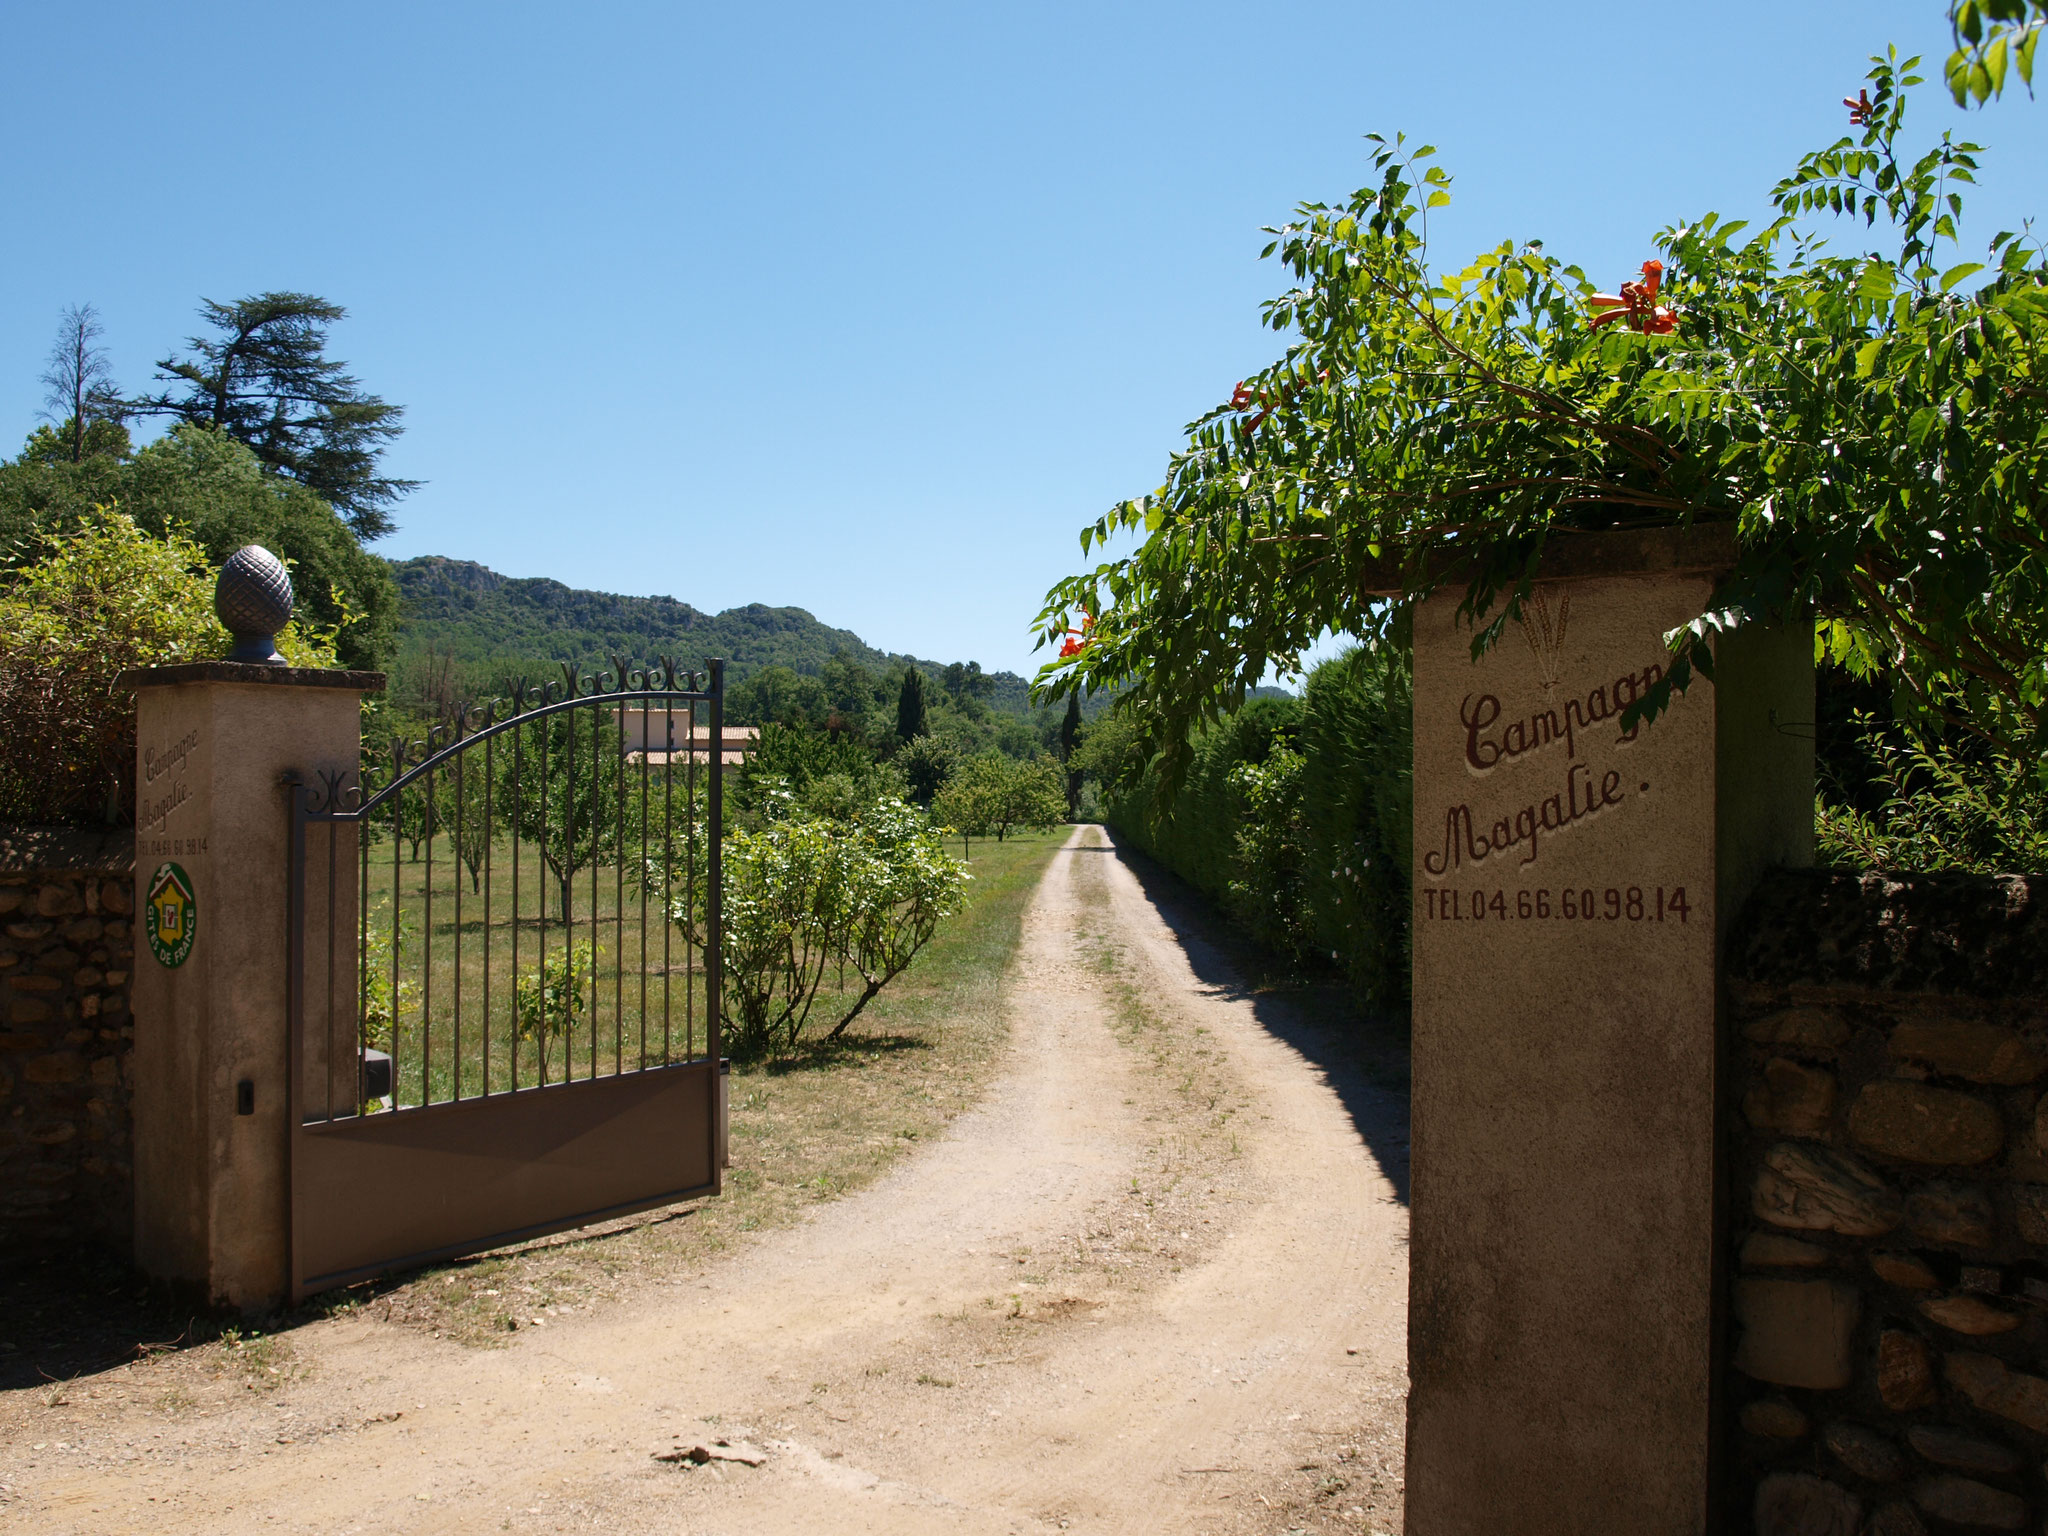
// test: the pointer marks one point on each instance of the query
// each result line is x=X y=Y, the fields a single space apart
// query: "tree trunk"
x=564 y=882
x=854 y=1012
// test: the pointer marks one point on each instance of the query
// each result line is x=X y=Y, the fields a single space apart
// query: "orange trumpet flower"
x=1637 y=304
x=1244 y=397
x=1077 y=638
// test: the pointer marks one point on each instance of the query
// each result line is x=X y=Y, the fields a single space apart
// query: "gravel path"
x=1155 y=1281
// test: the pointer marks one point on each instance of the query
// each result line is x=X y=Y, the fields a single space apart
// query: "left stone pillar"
x=216 y=743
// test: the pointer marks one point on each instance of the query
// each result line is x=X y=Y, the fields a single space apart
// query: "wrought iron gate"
x=515 y=1030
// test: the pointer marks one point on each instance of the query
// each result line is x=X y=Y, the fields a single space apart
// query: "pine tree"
x=910 y=721
x=265 y=381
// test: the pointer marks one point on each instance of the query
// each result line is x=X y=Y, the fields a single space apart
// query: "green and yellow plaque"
x=170 y=915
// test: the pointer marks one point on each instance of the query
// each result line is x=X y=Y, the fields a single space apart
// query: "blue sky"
x=862 y=309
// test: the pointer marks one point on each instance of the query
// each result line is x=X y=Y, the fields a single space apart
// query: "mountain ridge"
x=479 y=616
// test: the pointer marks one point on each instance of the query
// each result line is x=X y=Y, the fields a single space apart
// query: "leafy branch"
x=1868 y=425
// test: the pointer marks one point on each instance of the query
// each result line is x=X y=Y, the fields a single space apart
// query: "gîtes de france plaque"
x=170 y=915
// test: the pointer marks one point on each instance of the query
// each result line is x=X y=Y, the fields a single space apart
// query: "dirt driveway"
x=1155 y=1281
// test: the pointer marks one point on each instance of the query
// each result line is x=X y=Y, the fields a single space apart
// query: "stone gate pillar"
x=1572 y=884
x=215 y=741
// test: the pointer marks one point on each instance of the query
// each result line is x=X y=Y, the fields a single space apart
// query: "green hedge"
x=1296 y=817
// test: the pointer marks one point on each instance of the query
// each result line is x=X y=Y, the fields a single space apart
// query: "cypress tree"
x=910 y=706
x=1070 y=735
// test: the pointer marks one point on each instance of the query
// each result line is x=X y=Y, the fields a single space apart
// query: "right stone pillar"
x=1573 y=881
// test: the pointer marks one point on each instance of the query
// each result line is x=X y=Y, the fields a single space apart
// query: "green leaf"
x=1955 y=275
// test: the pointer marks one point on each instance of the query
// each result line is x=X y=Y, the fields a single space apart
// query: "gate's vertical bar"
x=397 y=939
x=668 y=871
x=569 y=887
x=362 y=826
x=541 y=875
x=619 y=908
x=461 y=797
x=490 y=838
x=518 y=803
x=596 y=870
x=714 y=912
x=427 y=949
x=690 y=891
x=294 y=1012
x=646 y=753
x=327 y=1069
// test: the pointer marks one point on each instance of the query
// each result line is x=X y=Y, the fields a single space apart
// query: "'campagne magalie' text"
x=1580 y=797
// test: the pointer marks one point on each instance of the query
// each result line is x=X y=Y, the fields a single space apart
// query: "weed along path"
x=1154 y=1279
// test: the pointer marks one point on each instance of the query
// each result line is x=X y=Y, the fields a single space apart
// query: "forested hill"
x=480 y=618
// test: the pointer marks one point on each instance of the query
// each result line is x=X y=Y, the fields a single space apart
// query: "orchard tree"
x=993 y=795
x=900 y=887
x=1029 y=793
x=562 y=786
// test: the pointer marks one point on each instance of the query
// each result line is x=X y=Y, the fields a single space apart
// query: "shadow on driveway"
x=1362 y=1056
x=68 y=1308
x=71 y=1308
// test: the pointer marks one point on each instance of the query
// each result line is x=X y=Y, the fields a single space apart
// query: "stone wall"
x=65 y=1033
x=1887 y=1186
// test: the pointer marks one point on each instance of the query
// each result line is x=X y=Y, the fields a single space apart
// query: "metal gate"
x=504 y=1000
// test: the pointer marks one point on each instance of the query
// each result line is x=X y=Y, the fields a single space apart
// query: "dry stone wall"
x=1888 y=1193
x=66 y=952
